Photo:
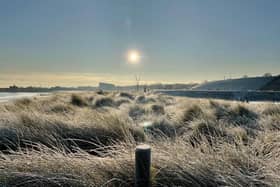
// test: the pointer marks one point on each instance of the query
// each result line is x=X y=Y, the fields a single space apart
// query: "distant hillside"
x=273 y=85
x=242 y=84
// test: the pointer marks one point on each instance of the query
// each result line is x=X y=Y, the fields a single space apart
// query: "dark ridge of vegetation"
x=208 y=130
x=241 y=116
x=144 y=100
x=162 y=128
x=193 y=112
x=100 y=92
x=235 y=115
x=136 y=111
x=78 y=100
x=157 y=109
x=29 y=130
x=220 y=109
x=121 y=101
x=126 y=95
x=104 y=101
x=140 y=99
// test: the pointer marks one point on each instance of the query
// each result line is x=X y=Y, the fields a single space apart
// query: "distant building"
x=106 y=86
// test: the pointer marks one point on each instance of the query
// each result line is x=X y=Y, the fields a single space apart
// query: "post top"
x=143 y=147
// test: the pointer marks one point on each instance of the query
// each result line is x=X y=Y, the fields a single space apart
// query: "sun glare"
x=133 y=57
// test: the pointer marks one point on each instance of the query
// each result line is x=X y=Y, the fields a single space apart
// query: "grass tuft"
x=104 y=101
x=126 y=95
x=78 y=100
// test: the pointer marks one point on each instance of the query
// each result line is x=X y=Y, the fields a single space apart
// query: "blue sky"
x=56 y=42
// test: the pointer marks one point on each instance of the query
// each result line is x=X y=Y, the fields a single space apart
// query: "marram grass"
x=88 y=139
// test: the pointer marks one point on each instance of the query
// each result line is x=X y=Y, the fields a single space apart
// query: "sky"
x=83 y=42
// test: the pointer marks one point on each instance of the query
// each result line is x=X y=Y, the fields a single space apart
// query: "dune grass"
x=88 y=139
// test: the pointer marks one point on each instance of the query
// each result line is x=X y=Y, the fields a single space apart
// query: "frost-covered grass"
x=88 y=139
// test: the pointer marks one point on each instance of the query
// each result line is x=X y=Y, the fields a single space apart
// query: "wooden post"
x=142 y=166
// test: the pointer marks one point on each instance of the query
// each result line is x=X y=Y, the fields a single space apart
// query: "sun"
x=133 y=57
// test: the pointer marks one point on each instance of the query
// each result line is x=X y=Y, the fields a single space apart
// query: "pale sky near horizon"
x=83 y=42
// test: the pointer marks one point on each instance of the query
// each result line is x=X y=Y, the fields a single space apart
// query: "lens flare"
x=133 y=57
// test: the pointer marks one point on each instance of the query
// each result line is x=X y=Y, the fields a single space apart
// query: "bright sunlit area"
x=133 y=57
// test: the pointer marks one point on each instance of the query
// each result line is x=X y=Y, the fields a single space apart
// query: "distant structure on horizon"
x=106 y=86
x=264 y=83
